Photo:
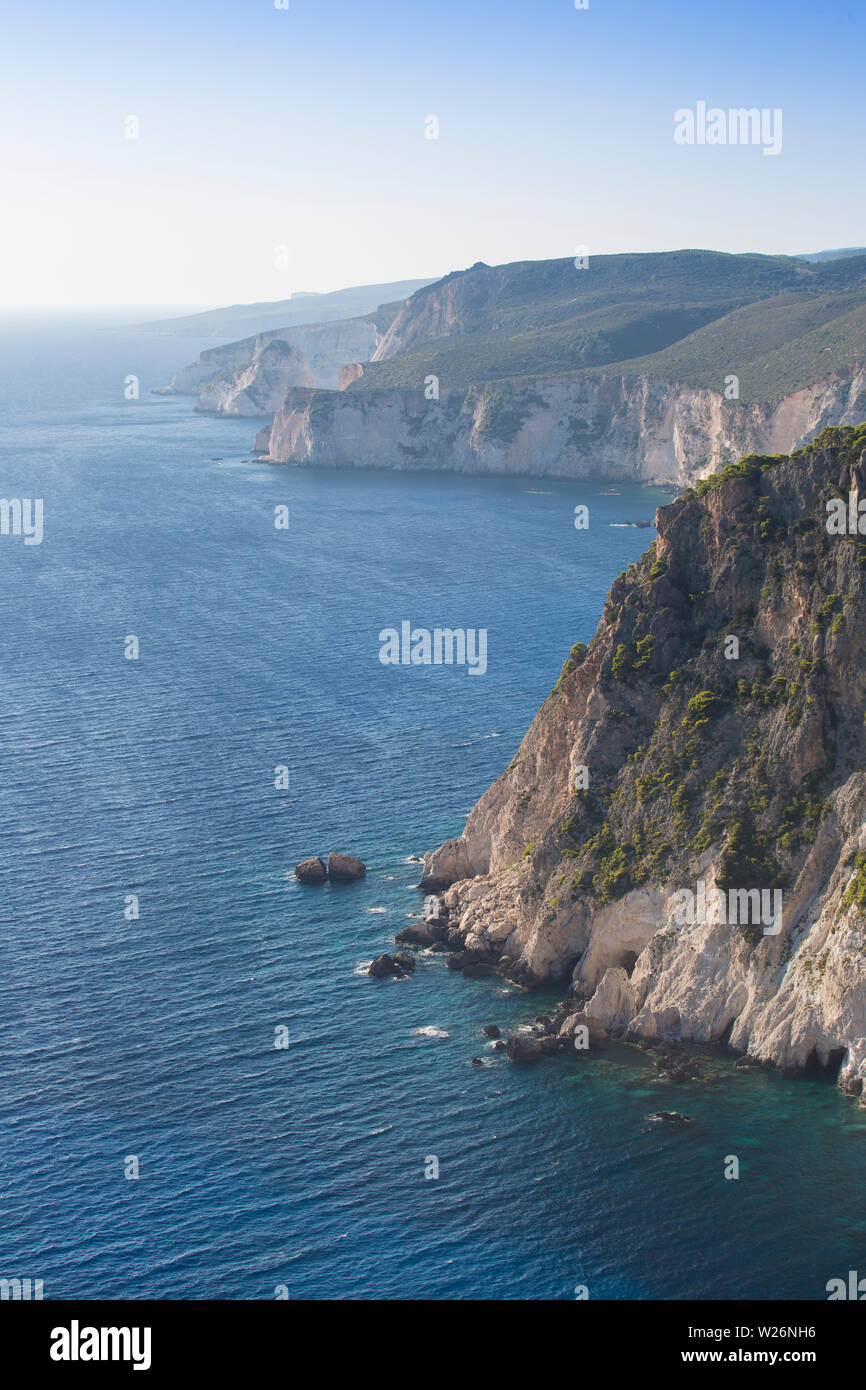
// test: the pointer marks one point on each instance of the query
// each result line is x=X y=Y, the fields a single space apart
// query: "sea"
x=202 y=1092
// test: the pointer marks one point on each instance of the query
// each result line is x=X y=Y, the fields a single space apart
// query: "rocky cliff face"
x=612 y=426
x=708 y=744
x=254 y=375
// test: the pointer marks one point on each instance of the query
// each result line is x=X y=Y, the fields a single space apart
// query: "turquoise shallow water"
x=154 y=1037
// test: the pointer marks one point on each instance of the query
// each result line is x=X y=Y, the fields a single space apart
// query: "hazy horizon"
x=130 y=315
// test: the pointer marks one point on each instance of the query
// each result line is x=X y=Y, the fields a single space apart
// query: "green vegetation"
x=778 y=345
x=575 y=657
x=632 y=657
x=701 y=709
x=855 y=893
x=707 y=759
x=683 y=316
x=505 y=411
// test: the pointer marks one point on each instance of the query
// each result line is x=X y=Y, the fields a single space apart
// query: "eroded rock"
x=311 y=871
x=345 y=868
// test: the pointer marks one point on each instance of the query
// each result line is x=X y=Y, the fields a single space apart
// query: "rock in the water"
x=420 y=934
x=672 y=1118
x=345 y=868
x=383 y=965
x=462 y=960
x=311 y=871
x=499 y=1046
x=523 y=1048
x=595 y=1031
x=404 y=960
x=477 y=1062
x=490 y=1030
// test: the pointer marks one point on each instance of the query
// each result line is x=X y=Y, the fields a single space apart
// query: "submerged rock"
x=672 y=1118
x=345 y=868
x=311 y=871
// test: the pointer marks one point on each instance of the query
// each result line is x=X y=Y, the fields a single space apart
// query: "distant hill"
x=778 y=322
x=838 y=255
x=246 y=320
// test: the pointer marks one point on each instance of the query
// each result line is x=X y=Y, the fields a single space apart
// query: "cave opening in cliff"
x=825 y=1071
x=628 y=961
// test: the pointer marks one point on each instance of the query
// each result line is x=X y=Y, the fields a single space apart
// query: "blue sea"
x=148 y=1044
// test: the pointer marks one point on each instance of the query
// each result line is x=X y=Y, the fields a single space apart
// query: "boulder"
x=461 y=959
x=383 y=965
x=404 y=960
x=421 y=934
x=490 y=1030
x=499 y=1046
x=311 y=871
x=523 y=1048
x=345 y=868
x=596 y=1032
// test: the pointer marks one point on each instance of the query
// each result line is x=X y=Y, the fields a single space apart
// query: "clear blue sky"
x=304 y=128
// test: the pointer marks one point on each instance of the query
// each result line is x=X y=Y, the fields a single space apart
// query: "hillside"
x=775 y=346
x=708 y=741
x=248 y=320
x=545 y=317
x=615 y=370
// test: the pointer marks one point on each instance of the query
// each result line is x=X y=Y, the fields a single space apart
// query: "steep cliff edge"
x=569 y=425
x=254 y=375
x=702 y=760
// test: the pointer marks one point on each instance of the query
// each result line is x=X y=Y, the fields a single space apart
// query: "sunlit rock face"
x=719 y=716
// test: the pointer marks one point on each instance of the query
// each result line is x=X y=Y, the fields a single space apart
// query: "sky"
x=285 y=149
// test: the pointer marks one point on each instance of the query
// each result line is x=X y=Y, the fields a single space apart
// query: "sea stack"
x=345 y=868
x=312 y=870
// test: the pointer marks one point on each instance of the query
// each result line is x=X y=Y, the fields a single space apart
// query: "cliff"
x=569 y=425
x=620 y=367
x=254 y=375
x=707 y=744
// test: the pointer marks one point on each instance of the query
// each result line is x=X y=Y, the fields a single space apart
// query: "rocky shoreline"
x=566 y=1030
x=710 y=739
